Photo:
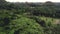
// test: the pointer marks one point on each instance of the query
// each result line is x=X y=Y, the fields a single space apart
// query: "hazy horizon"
x=32 y=0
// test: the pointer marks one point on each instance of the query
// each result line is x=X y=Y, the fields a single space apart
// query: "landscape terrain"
x=29 y=18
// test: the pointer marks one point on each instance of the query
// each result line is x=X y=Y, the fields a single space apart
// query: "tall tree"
x=2 y=1
x=2 y=4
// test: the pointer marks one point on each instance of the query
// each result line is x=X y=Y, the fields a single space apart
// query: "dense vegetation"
x=29 y=18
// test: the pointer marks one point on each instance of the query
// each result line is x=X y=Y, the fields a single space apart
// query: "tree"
x=2 y=4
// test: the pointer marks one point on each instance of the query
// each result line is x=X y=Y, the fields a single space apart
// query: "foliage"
x=25 y=18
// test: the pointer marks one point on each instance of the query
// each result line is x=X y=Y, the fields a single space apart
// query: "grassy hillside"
x=29 y=18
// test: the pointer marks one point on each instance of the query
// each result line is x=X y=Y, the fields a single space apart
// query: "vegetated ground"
x=54 y=20
x=26 y=18
x=23 y=24
x=46 y=19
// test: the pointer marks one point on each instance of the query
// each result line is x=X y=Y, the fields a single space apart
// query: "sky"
x=32 y=0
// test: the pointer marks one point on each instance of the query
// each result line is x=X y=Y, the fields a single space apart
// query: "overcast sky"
x=32 y=0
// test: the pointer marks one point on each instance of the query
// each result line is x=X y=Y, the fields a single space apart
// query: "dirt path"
x=57 y=21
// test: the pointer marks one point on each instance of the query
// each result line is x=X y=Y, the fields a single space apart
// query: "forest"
x=29 y=18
